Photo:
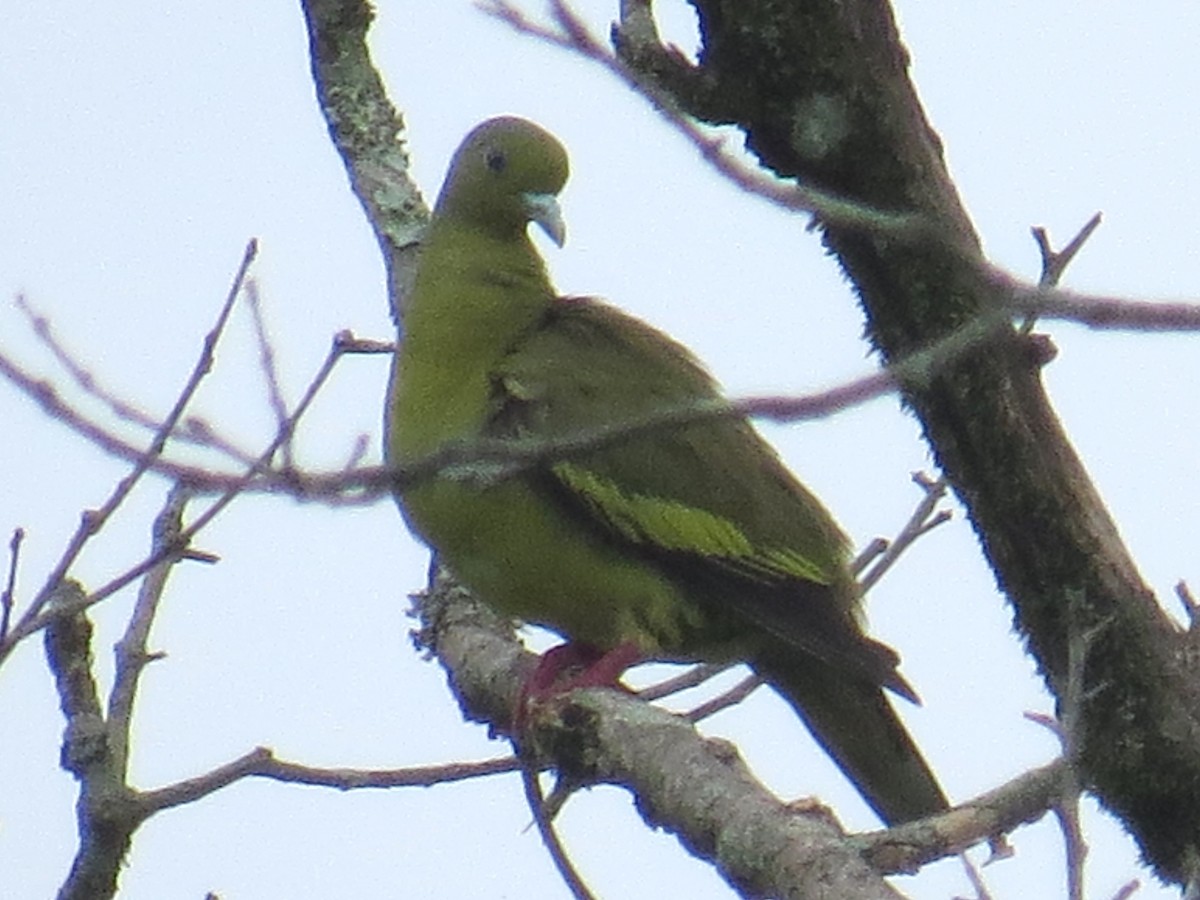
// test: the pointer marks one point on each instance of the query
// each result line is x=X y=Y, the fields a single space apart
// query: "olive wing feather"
x=710 y=501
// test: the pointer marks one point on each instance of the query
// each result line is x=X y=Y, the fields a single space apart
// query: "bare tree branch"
x=550 y=839
x=105 y=814
x=367 y=132
x=92 y=521
x=262 y=763
x=34 y=620
x=731 y=697
x=96 y=746
x=1001 y=810
x=131 y=653
x=355 y=485
x=692 y=677
x=571 y=32
x=266 y=359
x=768 y=849
x=191 y=430
x=604 y=736
x=1055 y=262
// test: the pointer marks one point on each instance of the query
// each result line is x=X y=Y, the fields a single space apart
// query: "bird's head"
x=507 y=173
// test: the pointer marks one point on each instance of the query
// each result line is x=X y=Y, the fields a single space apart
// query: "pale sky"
x=142 y=145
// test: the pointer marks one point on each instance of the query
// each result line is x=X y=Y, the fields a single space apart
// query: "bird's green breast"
x=508 y=540
x=531 y=560
x=474 y=297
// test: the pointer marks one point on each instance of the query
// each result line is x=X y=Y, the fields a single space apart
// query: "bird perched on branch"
x=685 y=542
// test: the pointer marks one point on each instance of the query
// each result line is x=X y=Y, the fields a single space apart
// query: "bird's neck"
x=474 y=289
x=475 y=296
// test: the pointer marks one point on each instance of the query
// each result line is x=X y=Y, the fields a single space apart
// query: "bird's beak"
x=545 y=211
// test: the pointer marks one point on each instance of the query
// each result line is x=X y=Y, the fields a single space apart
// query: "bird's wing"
x=709 y=502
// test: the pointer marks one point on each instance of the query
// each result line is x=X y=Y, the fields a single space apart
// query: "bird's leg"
x=606 y=669
x=559 y=663
x=577 y=665
x=572 y=665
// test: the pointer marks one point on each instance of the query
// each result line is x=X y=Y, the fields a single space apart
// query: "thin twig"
x=10 y=583
x=976 y=879
x=352 y=345
x=493 y=460
x=191 y=430
x=571 y=33
x=1068 y=729
x=94 y=520
x=30 y=624
x=367 y=484
x=693 y=677
x=1074 y=696
x=570 y=875
x=1076 y=847
x=924 y=519
x=203 y=480
x=45 y=395
x=262 y=763
x=266 y=359
x=731 y=697
x=358 y=452
x=1066 y=804
x=1096 y=311
x=1055 y=262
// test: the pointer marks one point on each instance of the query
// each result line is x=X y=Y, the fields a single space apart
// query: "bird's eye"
x=496 y=160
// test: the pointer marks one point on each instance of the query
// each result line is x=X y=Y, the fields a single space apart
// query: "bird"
x=689 y=542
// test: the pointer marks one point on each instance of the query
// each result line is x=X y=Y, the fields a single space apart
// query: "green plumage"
x=690 y=543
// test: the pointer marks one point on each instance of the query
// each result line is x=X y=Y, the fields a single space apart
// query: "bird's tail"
x=855 y=723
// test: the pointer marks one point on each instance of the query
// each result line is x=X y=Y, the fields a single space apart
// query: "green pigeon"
x=682 y=543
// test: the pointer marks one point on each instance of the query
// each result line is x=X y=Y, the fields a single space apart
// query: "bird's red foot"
x=572 y=665
x=577 y=665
